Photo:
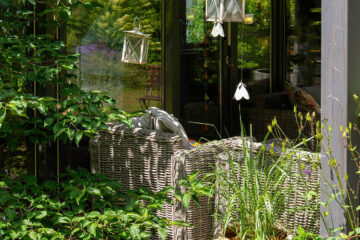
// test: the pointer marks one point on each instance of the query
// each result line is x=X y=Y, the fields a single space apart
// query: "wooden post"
x=340 y=80
x=171 y=56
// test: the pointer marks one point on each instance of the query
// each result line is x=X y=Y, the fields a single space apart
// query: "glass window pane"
x=301 y=87
x=98 y=39
x=199 y=67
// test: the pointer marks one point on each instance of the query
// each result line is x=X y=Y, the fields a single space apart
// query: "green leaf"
x=180 y=224
x=2 y=116
x=32 y=235
x=192 y=176
x=32 y=2
x=41 y=214
x=94 y=191
x=186 y=200
x=135 y=231
x=62 y=220
x=48 y=121
x=93 y=214
x=75 y=230
x=10 y=212
x=58 y=133
x=78 y=137
x=77 y=195
x=196 y=199
x=162 y=233
x=70 y=133
x=178 y=195
x=4 y=197
x=92 y=229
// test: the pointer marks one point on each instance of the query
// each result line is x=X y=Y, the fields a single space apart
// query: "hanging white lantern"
x=220 y=11
x=136 y=46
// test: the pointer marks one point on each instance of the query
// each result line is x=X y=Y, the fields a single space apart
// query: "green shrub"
x=82 y=206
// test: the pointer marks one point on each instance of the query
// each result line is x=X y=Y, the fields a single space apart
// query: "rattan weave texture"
x=298 y=210
x=185 y=162
x=136 y=158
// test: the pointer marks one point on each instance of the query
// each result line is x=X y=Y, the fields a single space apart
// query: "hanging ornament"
x=241 y=92
x=136 y=45
x=220 y=11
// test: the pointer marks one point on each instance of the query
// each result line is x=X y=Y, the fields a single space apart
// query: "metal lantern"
x=136 y=46
x=220 y=11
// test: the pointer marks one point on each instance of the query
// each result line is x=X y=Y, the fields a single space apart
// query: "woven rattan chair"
x=142 y=158
x=136 y=158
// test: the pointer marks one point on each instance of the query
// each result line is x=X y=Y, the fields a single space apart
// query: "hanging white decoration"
x=219 y=11
x=241 y=92
x=136 y=45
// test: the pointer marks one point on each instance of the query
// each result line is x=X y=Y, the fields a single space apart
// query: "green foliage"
x=253 y=192
x=26 y=60
x=253 y=184
x=195 y=22
x=303 y=235
x=82 y=206
x=338 y=188
x=254 y=45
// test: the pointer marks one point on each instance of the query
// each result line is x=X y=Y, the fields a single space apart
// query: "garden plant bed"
x=280 y=235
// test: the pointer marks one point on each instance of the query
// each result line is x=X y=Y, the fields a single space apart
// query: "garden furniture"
x=140 y=157
x=299 y=209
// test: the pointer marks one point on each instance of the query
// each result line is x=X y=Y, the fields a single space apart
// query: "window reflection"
x=97 y=37
x=304 y=54
x=199 y=67
x=301 y=87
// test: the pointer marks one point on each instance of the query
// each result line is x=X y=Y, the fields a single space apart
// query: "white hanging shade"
x=136 y=46
x=220 y=11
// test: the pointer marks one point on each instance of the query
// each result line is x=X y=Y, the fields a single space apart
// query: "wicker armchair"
x=142 y=158
x=136 y=158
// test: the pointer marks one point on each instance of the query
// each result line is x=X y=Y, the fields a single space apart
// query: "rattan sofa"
x=148 y=158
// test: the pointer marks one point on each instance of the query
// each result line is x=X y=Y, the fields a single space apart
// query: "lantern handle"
x=138 y=19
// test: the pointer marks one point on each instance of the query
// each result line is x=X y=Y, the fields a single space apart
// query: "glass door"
x=199 y=72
